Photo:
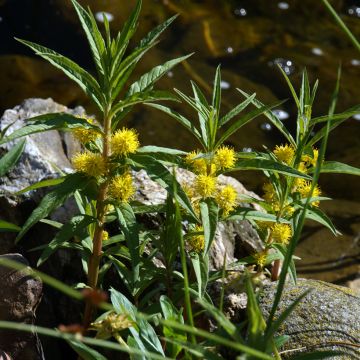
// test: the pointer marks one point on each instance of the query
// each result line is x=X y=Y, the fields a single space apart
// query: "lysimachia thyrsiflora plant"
x=158 y=317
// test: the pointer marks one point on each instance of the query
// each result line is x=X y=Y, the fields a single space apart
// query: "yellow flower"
x=281 y=233
x=124 y=142
x=197 y=242
x=226 y=199
x=269 y=192
x=200 y=165
x=89 y=163
x=284 y=153
x=305 y=188
x=205 y=185
x=302 y=167
x=311 y=161
x=260 y=259
x=105 y=235
x=225 y=157
x=85 y=135
x=111 y=325
x=122 y=188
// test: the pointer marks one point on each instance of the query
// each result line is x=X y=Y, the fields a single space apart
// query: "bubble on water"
x=357 y=117
x=355 y=62
x=286 y=64
x=317 y=51
x=283 y=5
x=170 y=74
x=281 y=114
x=240 y=12
x=354 y=11
x=225 y=85
x=247 y=149
x=266 y=126
x=99 y=16
x=229 y=50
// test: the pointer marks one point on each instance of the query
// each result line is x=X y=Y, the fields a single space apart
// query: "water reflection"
x=225 y=85
x=317 y=51
x=286 y=64
x=266 y=126
x=283 y=5
x=99 y=16
x=240 y=12
x=281 y=114
x=354 y=11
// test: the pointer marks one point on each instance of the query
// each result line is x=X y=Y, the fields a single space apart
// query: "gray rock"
x=328 y=318
x=20 y=294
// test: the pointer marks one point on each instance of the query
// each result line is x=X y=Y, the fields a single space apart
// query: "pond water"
x=249 y=38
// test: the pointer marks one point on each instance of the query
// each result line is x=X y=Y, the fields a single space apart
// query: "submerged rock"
x=328 y=318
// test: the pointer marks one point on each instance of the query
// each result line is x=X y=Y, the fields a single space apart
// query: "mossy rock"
x=328 y=318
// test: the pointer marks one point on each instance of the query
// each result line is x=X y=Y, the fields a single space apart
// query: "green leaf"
x=342 y=116
x=244 y=120
x=7 y=226
x=142 y=98
x=144 y=333
x=53 y=200
x=282 y=250
x=147 y=80
x=236 y=110
x=216 y=97
x=246 y=213
x=130 y=228
x=72 y=70
x=339 y=168
x=293 y=92
x=84 y=351
x=269 y=165
x=10 y=159
x=96 y=42
x=41 y=184
x=319 y=216
x=47 y=122
x=181 y=119
x=273 y=118
x=201 y=269
x=209 y=215
x=75 y=226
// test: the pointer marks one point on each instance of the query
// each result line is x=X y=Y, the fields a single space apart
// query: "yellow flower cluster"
x=260 y=259
x=200 y=165
x=226 y=199
x=105 y=235
x=304 y=188
x=205 y=185
x=86 y=135
x=89 y=163
x=311 y=160
x=197 y=241
x=284 y=153
x=124 y=142
x=281 y=233
x=225 y=158
x=112 y=324
x=122 y=188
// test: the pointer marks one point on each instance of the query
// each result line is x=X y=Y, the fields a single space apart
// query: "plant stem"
x=95 y=257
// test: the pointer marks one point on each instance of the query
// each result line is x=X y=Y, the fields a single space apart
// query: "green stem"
x=342 y=24
x=95 y=257
x=186 y=288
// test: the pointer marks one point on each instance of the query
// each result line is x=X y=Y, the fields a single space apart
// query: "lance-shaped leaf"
x=246 y=213
x=209 y=215
x=75 y=226
x=339 y=168
x=84 y=351
x=53 y=200
x=216 y=97
x=273 y=118
x=147 y=80
x=236 y=110
x=268 y=165
x=96 y=42
x=41 y=184
x=319 y=216
x=7 y=226
x=10 y=159
x=244 y=120
x=181 y=119
x=47 y=122
x=342 y=116
x=71 y=69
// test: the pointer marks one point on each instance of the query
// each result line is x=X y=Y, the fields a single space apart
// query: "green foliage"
x=159 y=316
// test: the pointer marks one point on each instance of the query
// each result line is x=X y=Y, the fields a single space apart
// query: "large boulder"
x=20 y=295
x=327 y=318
